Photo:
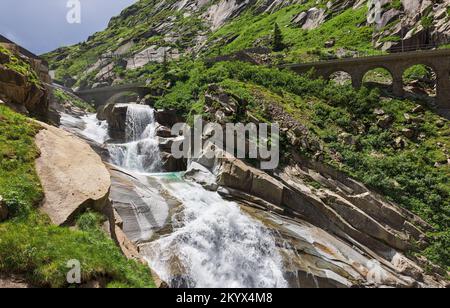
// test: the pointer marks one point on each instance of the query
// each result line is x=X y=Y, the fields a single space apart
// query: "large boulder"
x=201 y=175
x=167 y=117
x=73 y=176
x=310 y=19
x=172 y=164
x=116 y=116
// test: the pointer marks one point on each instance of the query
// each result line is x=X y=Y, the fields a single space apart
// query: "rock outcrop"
x=25 y=93
x=116 y=116
x=340 y=233
x=140 y=205
x=73 y=176
x=417 y=22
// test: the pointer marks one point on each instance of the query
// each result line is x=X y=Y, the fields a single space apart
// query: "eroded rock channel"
x=223 y=223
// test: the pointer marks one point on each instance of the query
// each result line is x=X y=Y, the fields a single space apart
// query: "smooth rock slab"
x=72 y=174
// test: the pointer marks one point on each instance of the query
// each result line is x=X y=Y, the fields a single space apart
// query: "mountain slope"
x=151 y=32
x=397 y=147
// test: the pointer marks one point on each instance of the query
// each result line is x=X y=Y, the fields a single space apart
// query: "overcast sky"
x=41 y=25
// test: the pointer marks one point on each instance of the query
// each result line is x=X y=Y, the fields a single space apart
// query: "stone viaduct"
x=100 y=96
x=396 y=64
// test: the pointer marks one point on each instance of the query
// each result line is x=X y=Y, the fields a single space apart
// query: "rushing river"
x=213 y=243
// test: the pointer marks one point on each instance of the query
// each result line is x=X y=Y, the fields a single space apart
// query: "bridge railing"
x=414 y=48
x=395 y=50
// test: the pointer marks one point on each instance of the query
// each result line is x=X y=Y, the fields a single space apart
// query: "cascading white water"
x=88 y=126
x=141 y=150
x=215 y=245
x=95 y=130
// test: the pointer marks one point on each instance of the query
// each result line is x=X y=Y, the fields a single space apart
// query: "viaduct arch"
x=100 y=96
x=396 y=64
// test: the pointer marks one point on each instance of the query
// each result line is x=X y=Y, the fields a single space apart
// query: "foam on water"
x=141 y=150
x=216 y=245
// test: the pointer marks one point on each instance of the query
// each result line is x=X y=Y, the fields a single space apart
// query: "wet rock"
x=165 y=144
x=172 y=164
x=116 y=116
x=201 y=175
x=143 y=210
x=167 y=118
x=103 y=111
x=163 y=131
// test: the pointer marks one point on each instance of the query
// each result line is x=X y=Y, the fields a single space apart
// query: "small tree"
x=277 y=44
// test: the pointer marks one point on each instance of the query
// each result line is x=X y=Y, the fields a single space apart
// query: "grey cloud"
x=41 y=26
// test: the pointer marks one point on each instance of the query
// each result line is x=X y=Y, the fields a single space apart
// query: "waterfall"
x=215 y=245
x=141 y=150
x=95 y=130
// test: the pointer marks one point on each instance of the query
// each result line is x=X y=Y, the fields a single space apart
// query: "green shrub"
x=62 y=97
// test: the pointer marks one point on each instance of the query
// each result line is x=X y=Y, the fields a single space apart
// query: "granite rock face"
x=339 y=233
x=73 y=176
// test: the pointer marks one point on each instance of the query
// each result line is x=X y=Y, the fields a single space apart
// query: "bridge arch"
x=123 y=97
x=380 y=75
x=426 y=77
x=100 y=96
x=438 y=60
x=340 y=77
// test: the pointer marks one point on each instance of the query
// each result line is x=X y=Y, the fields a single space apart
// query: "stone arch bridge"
x=100 y=96
x=396 y=64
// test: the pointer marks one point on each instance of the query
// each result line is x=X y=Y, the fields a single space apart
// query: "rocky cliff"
x=21 y=86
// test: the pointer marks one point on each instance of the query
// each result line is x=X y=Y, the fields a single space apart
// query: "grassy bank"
x=29 y=244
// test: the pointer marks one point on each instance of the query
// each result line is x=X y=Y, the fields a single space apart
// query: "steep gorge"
x=339 y=235
x=360 y=198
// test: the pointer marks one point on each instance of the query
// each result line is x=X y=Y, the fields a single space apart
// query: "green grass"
x=347 y=29
x=29 y=244
x=20 y=66
x=62 y=96
x=33 y=247
x=18 y=179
